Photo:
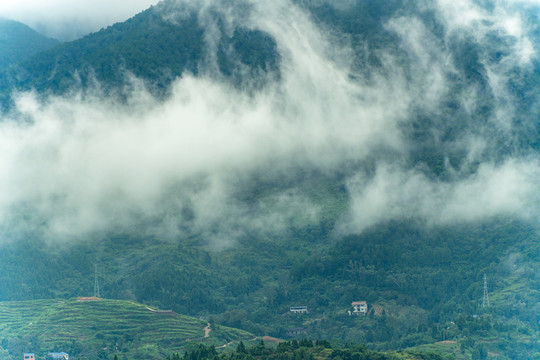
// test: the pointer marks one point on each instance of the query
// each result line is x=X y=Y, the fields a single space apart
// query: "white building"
x=299 y=309
x=57 y=356
x=360 y=307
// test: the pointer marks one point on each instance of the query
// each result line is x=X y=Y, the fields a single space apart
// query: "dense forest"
x=300 y=349
x=18 y=42
x=146 y=47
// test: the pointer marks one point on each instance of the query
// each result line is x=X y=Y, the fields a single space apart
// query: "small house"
x=360 y=307
x=57 y=356
x=299 y=309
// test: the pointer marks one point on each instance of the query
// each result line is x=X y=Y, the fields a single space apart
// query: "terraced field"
x=101 y=328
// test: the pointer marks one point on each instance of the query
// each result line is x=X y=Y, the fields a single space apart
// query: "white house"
x=299 y=309
x=57 y=356
x=360 y=307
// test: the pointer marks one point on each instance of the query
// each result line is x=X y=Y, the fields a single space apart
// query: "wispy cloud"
x=80 y=164
x=509 y=189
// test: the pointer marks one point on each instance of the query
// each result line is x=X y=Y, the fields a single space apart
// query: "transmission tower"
x=96 y=282
x=485 y=298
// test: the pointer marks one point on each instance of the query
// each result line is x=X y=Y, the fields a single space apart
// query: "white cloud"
x=81 y=164
x=86 y=164
x=510 y=189
x=466 y=18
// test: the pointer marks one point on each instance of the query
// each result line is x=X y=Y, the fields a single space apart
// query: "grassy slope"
x=95 y=325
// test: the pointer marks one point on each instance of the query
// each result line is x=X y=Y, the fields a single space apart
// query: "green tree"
x=4 y=354
x=241 y=348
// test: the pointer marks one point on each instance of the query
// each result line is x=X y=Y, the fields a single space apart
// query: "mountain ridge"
x=19 y=42
x=147 y=46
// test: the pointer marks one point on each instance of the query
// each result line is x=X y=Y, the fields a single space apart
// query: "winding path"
x=207 y=330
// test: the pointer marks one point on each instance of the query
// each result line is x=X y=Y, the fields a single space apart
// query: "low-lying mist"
x=82 y=164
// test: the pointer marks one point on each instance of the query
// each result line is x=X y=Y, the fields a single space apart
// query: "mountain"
x=97 y=327
x=18 y=42
x=231 y=160
x=148 y=47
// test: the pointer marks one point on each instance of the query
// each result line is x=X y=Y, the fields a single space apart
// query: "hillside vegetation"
x=147 y=47
x=18 y=42
x=98 y=329
x=425 y=290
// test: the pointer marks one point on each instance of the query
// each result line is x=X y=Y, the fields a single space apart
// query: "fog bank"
x=81 y=164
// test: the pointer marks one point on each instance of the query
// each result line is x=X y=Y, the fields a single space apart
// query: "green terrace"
x=112 y=326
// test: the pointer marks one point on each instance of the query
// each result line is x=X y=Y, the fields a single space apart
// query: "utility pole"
x=96 y=282
x=485 y=298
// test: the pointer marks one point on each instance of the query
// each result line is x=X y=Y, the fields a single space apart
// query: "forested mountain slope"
x=147 y=46
x=19 y=42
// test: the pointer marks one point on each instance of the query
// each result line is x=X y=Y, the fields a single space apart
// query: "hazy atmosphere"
x=270 y=180
x=81 y=163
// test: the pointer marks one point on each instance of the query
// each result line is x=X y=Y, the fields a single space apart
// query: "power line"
x=96 y=282
x=485 y=297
